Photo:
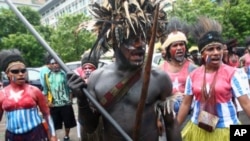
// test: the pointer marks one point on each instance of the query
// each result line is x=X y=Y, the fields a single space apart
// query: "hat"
x=206 y=31
x=119 y=21
x=193 y=48
x=89 y=59
x=174 y=37
x=209 y=37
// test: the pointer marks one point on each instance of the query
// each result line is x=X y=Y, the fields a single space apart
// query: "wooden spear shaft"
x=146 y=76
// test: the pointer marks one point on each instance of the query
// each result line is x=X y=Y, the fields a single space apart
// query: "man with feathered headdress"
x=126 y=27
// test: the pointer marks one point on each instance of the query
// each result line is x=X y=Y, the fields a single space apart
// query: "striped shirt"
x=230 y=82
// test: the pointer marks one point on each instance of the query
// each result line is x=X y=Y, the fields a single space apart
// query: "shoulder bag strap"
x=120 y=89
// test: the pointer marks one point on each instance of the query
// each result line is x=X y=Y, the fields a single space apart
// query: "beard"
x=179 y=58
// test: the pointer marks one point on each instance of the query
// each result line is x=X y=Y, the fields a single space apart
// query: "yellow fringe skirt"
x=191 y=132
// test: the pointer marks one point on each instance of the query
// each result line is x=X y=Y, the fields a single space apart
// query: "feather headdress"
x=176 y=31
x=118 y=21
x=176 y=24
x=9 y=56
x=206 y=31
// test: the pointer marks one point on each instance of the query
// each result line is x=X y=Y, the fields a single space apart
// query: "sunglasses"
x=17 y=71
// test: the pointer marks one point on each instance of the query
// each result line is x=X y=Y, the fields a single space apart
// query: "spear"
x=65 y=68
x=147 y=72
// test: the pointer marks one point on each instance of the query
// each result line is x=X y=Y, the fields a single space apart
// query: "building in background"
x=35 y=4
x=53 y=9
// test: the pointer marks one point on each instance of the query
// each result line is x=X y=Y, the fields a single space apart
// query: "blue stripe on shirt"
x=23 y=120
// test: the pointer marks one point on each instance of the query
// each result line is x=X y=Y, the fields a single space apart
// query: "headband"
x=209 y=37
x=13 y=64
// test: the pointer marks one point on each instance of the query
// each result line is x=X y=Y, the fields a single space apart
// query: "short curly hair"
x=8 y=56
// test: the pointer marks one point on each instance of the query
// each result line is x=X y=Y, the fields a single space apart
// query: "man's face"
x=177 y=51
x=134 y=52
x=54 y=66
x=88 y=69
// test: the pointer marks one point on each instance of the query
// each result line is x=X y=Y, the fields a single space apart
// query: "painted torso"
x=21 y=107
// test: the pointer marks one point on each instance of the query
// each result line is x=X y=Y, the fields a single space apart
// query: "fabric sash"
x=119 y=90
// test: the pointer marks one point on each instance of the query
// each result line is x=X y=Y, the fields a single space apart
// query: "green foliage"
x=69 y=45
x=28 y=45
x=12 y=24
x=14 y=34
x=233 y=15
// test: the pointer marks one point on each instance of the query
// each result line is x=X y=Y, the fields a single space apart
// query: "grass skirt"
x=191 y=132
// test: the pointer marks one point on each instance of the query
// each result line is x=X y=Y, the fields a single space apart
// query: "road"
x=73 y=133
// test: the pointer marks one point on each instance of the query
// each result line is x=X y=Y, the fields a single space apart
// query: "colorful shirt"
x=58 y=88
x=230 y=82
x=179 y=78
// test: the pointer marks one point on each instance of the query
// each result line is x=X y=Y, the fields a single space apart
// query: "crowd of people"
x=194 y=94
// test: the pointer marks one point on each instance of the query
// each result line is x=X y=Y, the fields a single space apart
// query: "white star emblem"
x=176 y=84
x=15 y=95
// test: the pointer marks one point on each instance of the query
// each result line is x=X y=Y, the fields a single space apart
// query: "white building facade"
x=35 y=4
x=53 y=9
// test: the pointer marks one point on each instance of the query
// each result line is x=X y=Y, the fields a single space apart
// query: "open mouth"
x=215 y=60
x=179 y=53
x=137 y=56
x=21 y=79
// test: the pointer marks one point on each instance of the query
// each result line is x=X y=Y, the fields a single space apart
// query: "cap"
x=174 y=37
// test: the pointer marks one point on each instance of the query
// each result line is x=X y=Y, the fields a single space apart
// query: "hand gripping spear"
x=147 y=72
x=65 y=68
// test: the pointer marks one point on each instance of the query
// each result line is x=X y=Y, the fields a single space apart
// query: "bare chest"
x=128 y=94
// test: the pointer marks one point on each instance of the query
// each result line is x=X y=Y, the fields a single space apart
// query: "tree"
x=69 y=45
x=29 y=47
x=12 y=24
x=232 y=14
x=14 y=34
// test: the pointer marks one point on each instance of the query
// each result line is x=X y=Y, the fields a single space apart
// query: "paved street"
x=73 y=132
